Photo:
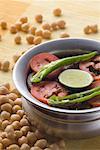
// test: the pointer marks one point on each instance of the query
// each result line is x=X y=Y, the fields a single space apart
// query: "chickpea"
x=16 y=125
x=13 y=147
x=25 y=129
x=87 y=30
x=25 y=147
x=3 y=24
x=46 y=26
x=1 y=146
x=0 y=122
x=32 y=30
x=35 y=148
x=38 y=134
x=15 y=117
x=6 y=142
x=5 y=123
x=3 y=99
x=46 y=34
x=5 y=66
x=38 y=33
x=13 y=29
x=39 y=18
x=12 y=96
x=16 y=108
x=42 y=143
x=54 y=146
x=20 y=113
x=94 y=28
x=7 y=85
x=25 y=27
x=17 y=39
x=57 y=12
x=22 y=140
x=3 y=135
x=61 y=24
x=18 y=101
x=9 y=128
x=18 y=25
x=31 y=138
x=24 y=122
x=23 y=19
x=5 y=115
x=37 y=40
x=54 y=26
x=11 y=102
x=64 y=35
x=30 y=39
x=18 y=134
x=6 y=107
x=16 y=57
x=15 y=91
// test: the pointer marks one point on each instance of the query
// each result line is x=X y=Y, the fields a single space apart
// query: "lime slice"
x=75 y=78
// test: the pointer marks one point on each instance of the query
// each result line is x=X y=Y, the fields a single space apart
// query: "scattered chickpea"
x=3 y=24
x=94 y=28
x=31 y=138
x=39 y=18
x=3 y=91
x=42 y=143
x=46 y=34
x=16 y=125
x=15 y=117
x=25 y=147
x=30 y=39
x=38 y=32
x=6 y=107
x=54 y=26
x=32 y=30
x=13 y=147
x=18 y=101
x=17 y=39
x=13 y=29
x=20 y=113
x=46 y=26
x=37 y=40
x=61 y=24
x=24 y=122
x=16 y=108
x=18 y=26
x=5 y=123
x=5 y=66
x=25 y=27
x=6 y=142
x=5 y=115
x=87 y=30
x=12 y=96
x=23 y=19
x=57 y=12
x=22 y=140
x=18 y=134
x=16 y=57
x=64 y=35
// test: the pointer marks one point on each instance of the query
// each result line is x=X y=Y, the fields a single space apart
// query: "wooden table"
x=77 y=13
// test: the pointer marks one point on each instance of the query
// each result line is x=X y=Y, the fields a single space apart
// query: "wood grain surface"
x=77 y=13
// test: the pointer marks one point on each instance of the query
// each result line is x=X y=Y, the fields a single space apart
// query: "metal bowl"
x=55 y=121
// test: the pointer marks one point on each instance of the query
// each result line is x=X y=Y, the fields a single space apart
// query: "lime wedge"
x=75 y=78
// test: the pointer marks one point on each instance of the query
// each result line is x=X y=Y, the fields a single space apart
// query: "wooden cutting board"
x=77 y=13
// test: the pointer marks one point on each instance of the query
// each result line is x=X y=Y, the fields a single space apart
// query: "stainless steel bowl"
x=55 y=121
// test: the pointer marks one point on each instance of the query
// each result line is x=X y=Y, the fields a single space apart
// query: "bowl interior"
x=60 y=47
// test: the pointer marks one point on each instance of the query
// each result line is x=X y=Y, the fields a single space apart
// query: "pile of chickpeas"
x=16 y=132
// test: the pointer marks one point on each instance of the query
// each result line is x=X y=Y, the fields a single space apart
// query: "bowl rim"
x=45 y=106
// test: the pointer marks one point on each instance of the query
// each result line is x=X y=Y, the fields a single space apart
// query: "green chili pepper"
x=45 y=70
